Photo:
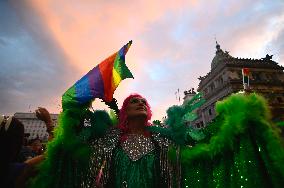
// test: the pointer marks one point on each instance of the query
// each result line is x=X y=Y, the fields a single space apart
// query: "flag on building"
x=246 y=72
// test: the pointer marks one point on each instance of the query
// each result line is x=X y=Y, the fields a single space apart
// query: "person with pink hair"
x=90 y=151
x=134 y=116
x=138 y=157
x=124 y=154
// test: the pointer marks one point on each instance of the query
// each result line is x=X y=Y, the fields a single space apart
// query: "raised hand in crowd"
x=44 y=115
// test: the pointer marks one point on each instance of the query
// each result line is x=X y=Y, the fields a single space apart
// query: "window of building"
x=210 y=112
x=240 y=74
x=274 y=77
x=268 y=76
x=256 y=76
x=205 y=91
x=212 y=86
x=279 y=99
x=197 y=125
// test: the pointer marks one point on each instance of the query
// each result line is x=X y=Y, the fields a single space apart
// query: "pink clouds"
x=90 y=31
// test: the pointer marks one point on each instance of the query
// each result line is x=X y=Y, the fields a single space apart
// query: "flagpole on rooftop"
x=177 y=96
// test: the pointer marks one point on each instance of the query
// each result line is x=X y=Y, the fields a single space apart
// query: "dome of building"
x=220 y=56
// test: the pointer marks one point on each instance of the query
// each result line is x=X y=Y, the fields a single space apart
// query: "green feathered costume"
x=83 y=153
x=240 y=148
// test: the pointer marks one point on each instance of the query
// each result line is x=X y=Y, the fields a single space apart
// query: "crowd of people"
x=19 y=156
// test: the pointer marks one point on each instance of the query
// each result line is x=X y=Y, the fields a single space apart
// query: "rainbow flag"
x=100 y=82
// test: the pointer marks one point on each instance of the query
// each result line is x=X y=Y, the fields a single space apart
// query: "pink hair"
x=123 y=116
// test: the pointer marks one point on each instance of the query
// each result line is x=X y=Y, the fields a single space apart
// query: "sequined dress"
x=137 y=162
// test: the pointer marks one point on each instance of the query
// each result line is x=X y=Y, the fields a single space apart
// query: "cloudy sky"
x=46 y=46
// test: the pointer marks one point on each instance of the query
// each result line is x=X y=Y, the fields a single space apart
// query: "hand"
x=113 y=105
x=43 y=114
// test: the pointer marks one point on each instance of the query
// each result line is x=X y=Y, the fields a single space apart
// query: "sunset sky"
x=47 y=45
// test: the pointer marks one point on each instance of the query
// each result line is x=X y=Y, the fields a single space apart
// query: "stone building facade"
x=225 y=78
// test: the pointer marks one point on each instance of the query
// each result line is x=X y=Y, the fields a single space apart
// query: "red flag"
x=245 y=71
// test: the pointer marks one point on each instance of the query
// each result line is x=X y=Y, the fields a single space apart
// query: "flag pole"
x=245 y=72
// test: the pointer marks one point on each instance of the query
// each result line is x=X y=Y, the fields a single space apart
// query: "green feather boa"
x=177 y=116
x=242 y=147
x=69 y=150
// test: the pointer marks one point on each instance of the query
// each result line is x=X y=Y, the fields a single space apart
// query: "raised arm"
x=44 y=115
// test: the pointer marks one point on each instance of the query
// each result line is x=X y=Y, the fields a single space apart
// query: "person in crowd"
x=11 y=141
x=12 y=172
x=122 y=155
